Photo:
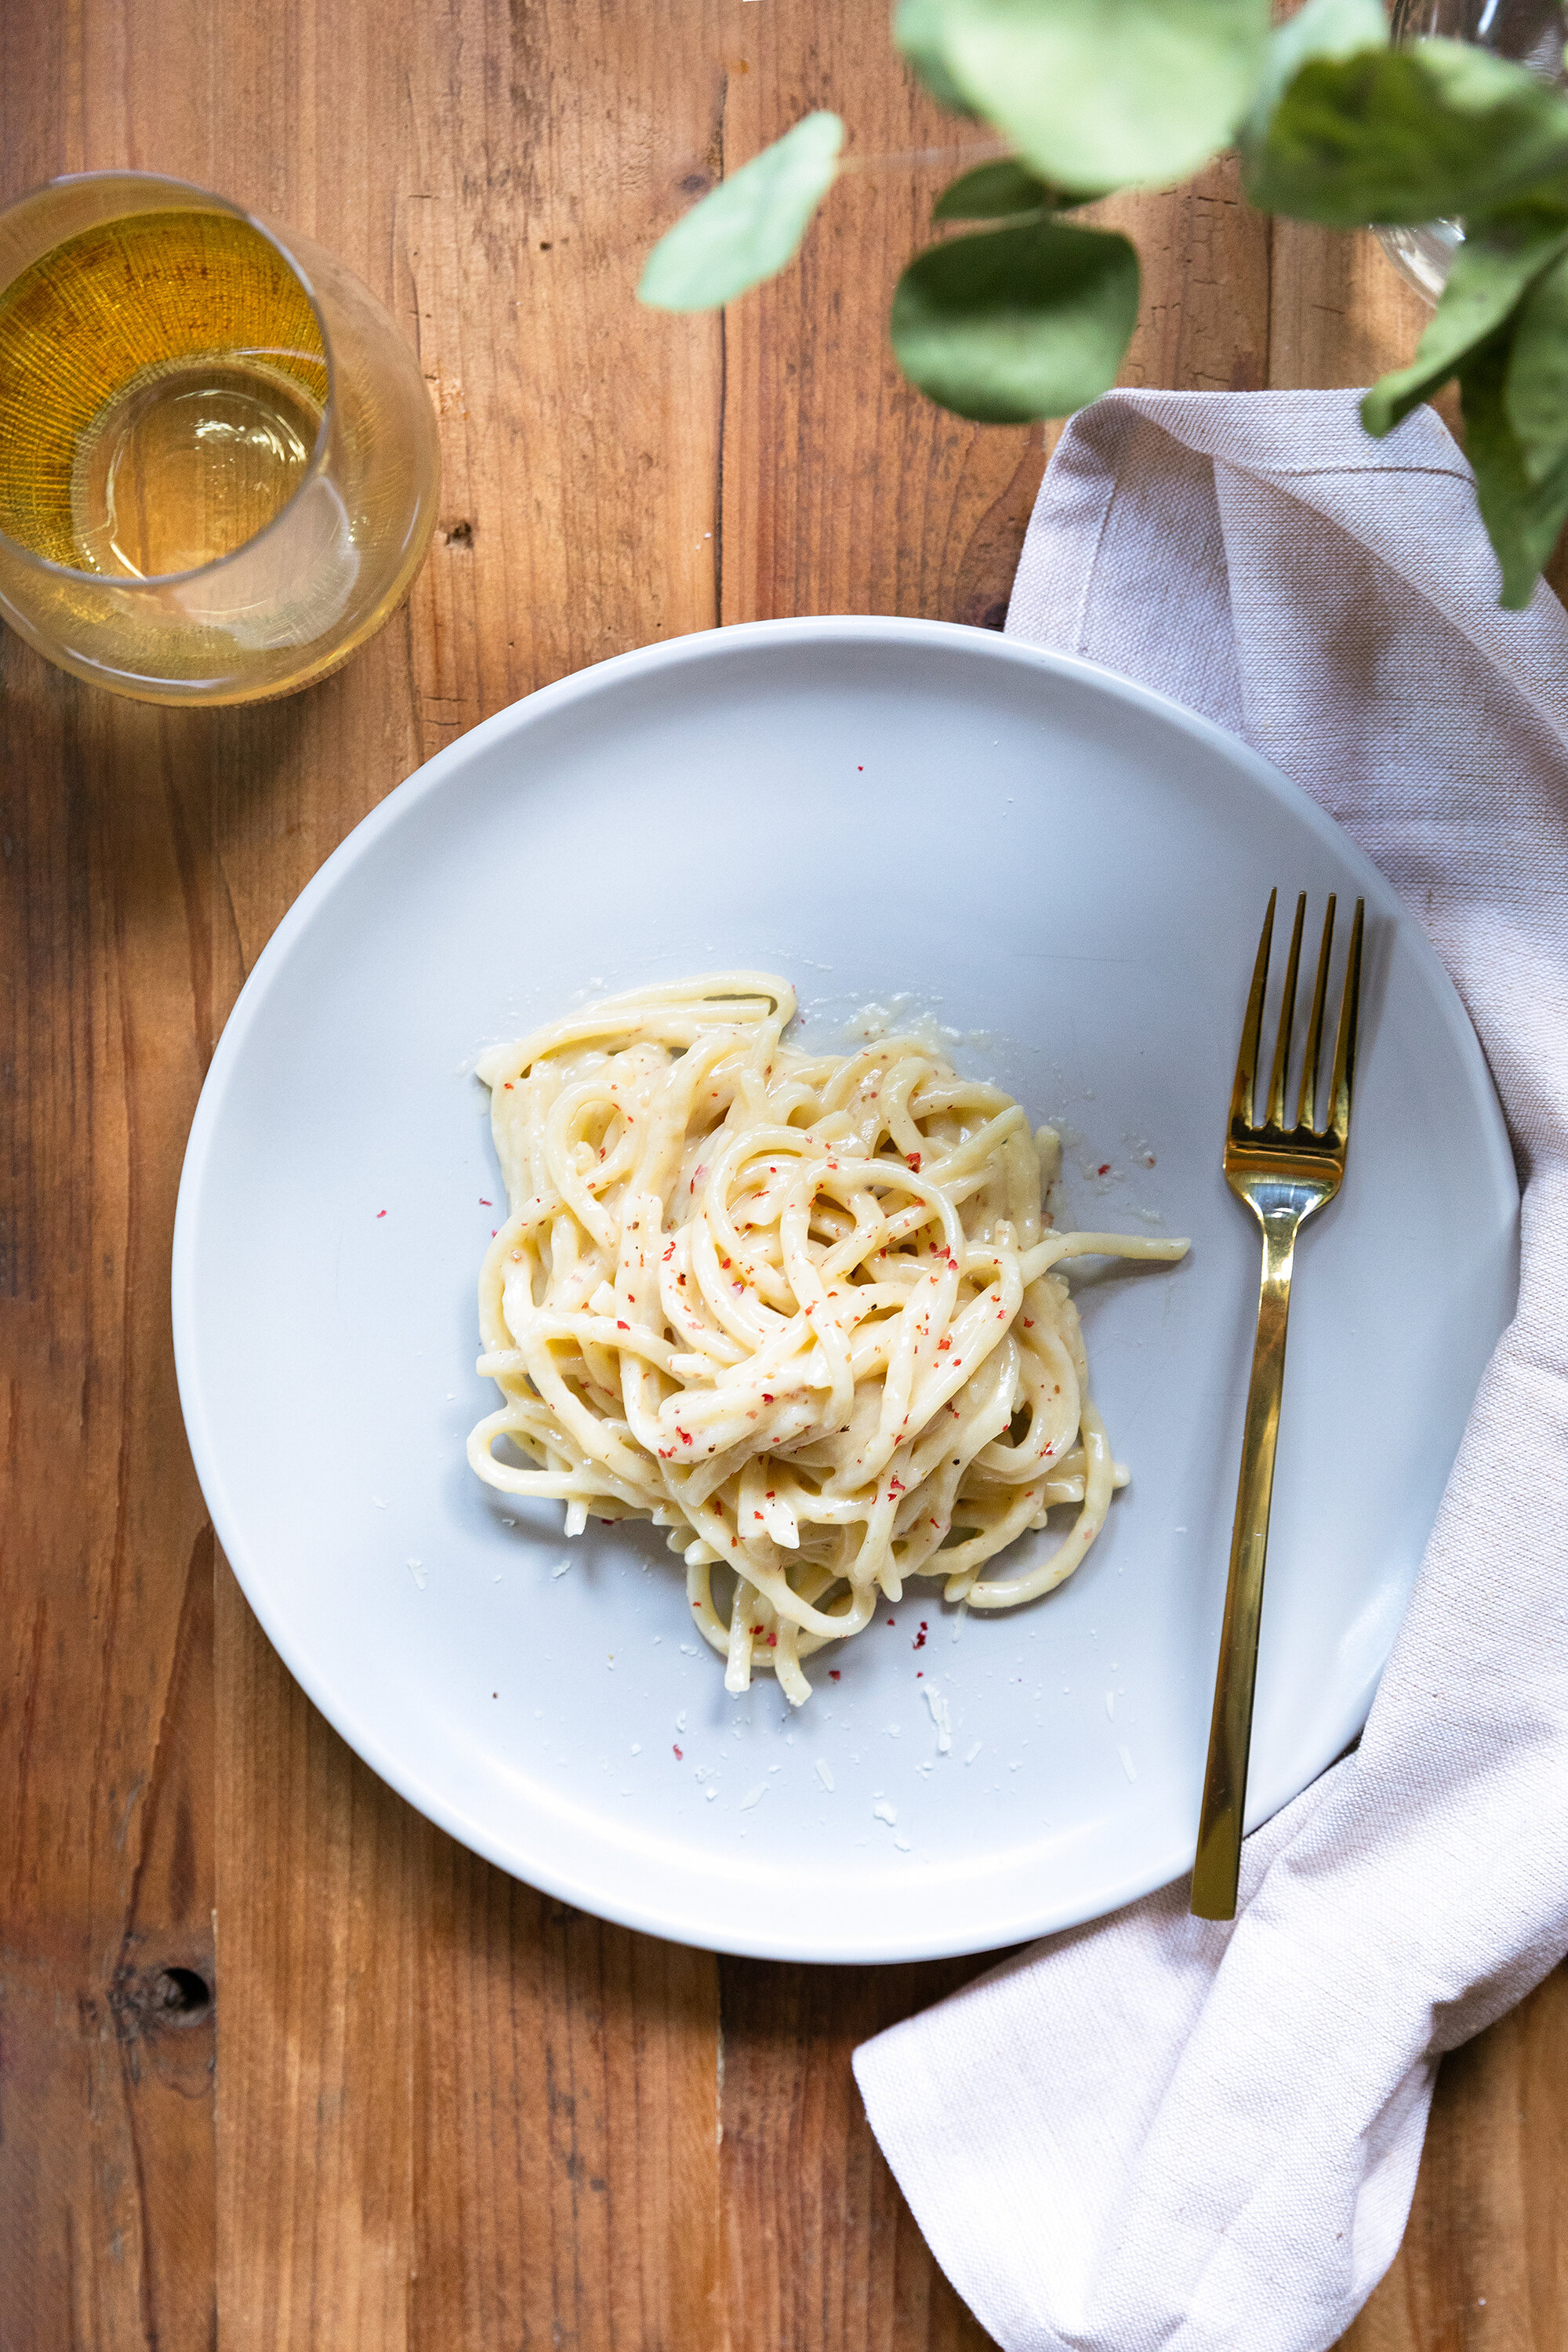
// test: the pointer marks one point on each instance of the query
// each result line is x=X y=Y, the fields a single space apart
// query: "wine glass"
x=218 y=458
x=1532 y=33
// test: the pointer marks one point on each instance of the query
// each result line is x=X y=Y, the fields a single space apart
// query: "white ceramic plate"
x=1068 y=872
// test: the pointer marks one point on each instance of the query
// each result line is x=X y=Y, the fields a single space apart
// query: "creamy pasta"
x=802 y=1311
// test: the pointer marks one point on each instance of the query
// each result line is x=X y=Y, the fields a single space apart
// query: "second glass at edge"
x=218 y=459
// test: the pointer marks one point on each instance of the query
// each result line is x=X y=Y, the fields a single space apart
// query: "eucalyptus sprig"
x=1029 y=315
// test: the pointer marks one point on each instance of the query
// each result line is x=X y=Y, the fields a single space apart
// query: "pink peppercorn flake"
x=678 y=1755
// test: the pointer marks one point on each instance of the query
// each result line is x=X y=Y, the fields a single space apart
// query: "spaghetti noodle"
x=801 y=1310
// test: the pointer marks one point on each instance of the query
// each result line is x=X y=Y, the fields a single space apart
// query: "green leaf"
x=1407 y=136
x=747 y=228
x=1522 y=518
x=1101 y=93
x=1324 y=28
x=1023 y=322
x=1500 y=257
x=917 y=37
x=1535 y=390
x=997 y=191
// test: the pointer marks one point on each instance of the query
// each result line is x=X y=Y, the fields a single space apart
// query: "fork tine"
x=1345 y=1043
x=1243 y=1093
x=1307 y=1111
x=1275 y=1115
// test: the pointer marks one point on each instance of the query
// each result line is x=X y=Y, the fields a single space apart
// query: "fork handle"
x=1218 y=1861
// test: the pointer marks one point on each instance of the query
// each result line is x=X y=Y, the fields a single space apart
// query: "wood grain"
x=1483 y=2267
x=450 y=2112
x=820 y=2251
x=844 y=491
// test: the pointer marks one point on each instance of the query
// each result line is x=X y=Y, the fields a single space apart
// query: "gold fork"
x=1283 y=1175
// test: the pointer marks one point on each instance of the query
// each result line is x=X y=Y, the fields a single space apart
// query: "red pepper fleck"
x=833 y=1673
x=914 y=1160
x=889 y=1620
x=487 y=1204
x=1028 y=1322
x=1105 y=1168
x=920 y=1640
x=380 y=1212
x=623 y=1327
x=919 y=1675
x=683 y=1436
x=507 y=1083
x=678 y=1755
x=773 y=1641
x=766 y=1398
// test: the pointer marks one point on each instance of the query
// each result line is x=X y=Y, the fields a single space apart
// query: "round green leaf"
x=1535 y=392
x=1407 y=136
x=999 y=191
x=917 y=36
x=1523 y=517
x=747 y=228
x=1501 y=257
x=1024 y=322
x=1107 y=93
x=1324 y=28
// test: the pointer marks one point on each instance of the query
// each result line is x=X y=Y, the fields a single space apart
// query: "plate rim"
x=651 y=1916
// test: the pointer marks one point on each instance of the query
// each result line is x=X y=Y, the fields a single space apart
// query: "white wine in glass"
x=218 y=462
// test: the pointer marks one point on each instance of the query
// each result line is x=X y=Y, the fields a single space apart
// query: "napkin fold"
x=1154 y=2134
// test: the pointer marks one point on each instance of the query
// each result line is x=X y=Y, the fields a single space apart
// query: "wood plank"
x=820 y=2251
x=1482 y=2265
x=451 y=2112
x=315 y=2108
x=1203 y=319
x=494 y=174
x=106 y=2150
x=567 y=2094
x=844 y=490
x=105 y=2117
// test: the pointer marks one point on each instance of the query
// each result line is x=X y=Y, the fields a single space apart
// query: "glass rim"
x=134 y=584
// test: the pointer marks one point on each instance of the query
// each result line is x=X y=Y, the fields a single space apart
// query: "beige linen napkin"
x=1154 y=2132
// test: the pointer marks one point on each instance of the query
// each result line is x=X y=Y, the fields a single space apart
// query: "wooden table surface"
x=395 y=2099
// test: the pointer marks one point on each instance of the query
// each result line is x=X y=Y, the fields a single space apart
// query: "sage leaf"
x=997 y=191
x=1021 y=322
x=1324 y=28
x=1407 y=135
x=1535 y=389
x=1503 y=255
x=917 y=37
x=1522 y=518
x=1105 y=94
x=747 y=228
